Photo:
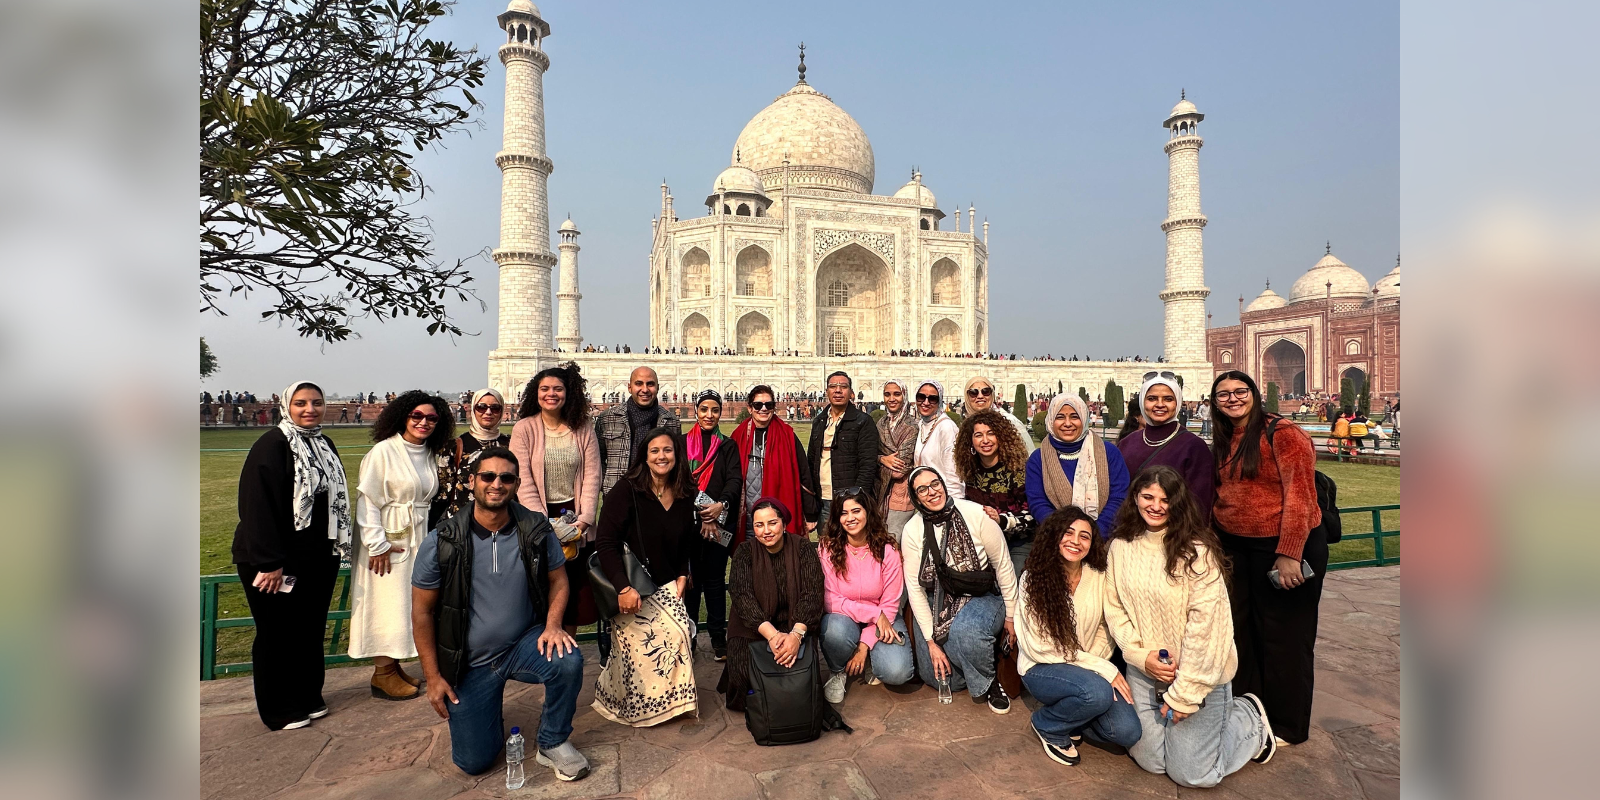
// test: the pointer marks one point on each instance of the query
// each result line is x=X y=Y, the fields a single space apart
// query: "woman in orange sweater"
x=1265 y=513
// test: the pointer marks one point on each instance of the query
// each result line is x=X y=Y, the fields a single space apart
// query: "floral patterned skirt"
x=650 y=678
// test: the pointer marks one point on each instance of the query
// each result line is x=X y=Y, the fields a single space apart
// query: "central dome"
x=1313 y=285
x=826 y=148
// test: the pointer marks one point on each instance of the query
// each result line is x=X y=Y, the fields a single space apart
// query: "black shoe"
x=719 y=652
x=1068 y=755
x=999 y=703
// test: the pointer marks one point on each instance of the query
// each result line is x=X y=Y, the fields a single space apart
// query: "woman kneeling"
x=861 y=634
x=776 y=588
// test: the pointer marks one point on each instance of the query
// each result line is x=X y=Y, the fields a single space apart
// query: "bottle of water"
x=944 y=690
x=515 y=777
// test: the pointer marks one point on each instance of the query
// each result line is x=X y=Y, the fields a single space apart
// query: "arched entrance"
x=754 y=334
x=946 y=337
x=1284 y=363
x=696 y=274
x=1357 y=376
x=696 y=331
x=853 y=296
x=944 y=281
x=753 y=269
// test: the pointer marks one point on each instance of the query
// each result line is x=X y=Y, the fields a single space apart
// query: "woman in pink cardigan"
x=862 y=633
x=560 y=471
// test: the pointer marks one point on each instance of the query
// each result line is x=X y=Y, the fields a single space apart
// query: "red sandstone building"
x=1332 y=326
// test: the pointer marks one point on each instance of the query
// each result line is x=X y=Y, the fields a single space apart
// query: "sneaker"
x=867 y=678
x=297 y=724
x=1269 y=749
x=719 y=652
x=319 y=713
x=1068 y=756
x=833 y=690
x=565 y=760
x=999 y=703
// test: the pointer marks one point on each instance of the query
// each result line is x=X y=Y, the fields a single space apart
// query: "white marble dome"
x=1389 y=285
x=913 y=190
x=1346 y=281
x=738 y=179
x=1266 y=301
x=569 y=225
x=524 y=6
x=825 y=146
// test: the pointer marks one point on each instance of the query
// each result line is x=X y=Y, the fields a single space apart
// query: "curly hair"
x=1187 y=531
x=1013 y=454
x=638 y=476
x=575 y=409
x=1044 y=580
x=391 y=420
x=834 y=537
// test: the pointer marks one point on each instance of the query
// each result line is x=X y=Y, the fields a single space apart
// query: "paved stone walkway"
x=903 y=741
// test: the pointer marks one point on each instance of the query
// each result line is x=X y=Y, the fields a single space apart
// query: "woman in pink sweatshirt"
x=862 y=633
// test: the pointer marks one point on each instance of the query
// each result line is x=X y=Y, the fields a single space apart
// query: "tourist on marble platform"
x=777 y=590
x=1265 y=516
x=621 y=427
x=897 y=448
x=936 y=437
x=993 y=465
x=457 y=463
x=1163 y=439
x=1204 y=413
x=650 y=676
x=1132 y=418
x=980 y=396
x=294 y=523
x=1166 y=592
x=862 y=631
x=399 y=478
x=1083 y=471
x=774 y=463
x=1064 y=647
x=843 y=453
x=559 y=460
x=962 y=590
x=489 y=591
x=718 y=475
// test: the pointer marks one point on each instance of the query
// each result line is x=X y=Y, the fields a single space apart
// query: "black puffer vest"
x=456 y=543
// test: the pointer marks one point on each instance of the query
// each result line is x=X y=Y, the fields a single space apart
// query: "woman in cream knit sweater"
x=1166 y=594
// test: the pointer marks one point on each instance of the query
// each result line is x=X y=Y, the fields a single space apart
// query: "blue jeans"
x=822 y=516
x=477 y=729
x=840 y=637
x=1075 y=699
x=970 y=646
x=1211 y=744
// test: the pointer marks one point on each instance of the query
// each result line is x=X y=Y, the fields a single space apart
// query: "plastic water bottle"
x=515 y=777
x=1164 y=657
x=944 y=690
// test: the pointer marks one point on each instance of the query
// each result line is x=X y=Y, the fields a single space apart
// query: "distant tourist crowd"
x=914 y=353
x=1156 y=594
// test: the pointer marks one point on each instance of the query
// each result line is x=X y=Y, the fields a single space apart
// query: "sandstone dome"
x=738 y=179
x=914 y=190
x=1266 y=301
x=1313 y=285
x=826 y=148
x=1389 y=285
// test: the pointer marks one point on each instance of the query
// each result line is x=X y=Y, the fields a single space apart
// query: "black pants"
x=1275 y=631
x=708 y=567
x=286 y=657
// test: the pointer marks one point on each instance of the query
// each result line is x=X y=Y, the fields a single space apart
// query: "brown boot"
x=388 y=685
x=406 y=676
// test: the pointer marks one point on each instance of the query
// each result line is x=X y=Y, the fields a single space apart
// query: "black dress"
x=735 y=682
x=288 y=649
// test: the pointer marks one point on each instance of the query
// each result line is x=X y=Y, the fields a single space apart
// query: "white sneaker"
x=304 y=723
x=1270 y=748
x=867 y=676
x=833 y=690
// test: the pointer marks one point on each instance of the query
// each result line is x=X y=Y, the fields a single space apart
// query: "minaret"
x=568 y=337
x=524 y=253
x=1185 y=293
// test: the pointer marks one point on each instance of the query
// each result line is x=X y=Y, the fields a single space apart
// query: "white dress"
x=398 y=482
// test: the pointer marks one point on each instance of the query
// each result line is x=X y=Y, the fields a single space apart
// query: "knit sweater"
x=868 y=588
x=1281 y=500
x=1034 y=645
x=1189 y=617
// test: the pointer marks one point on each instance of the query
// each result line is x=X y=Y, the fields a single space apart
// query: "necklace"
x=1144 y=433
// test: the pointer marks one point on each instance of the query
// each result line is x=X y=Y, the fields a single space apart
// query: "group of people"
x=1124 y=584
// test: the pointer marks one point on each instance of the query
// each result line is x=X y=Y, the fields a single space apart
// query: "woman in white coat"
x=399 y=478
x=936 y=437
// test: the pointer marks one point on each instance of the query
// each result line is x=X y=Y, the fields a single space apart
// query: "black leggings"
x=1275 y=631
x=708 y=566
x=286 y=657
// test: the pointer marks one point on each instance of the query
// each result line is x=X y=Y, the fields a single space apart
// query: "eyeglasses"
x=763 y=405
x=505 y=477
x=1236 y=394
x=839 y=386
x=928 y=488
x=987 y=391
x=418 y=416
x=485 y=408
x=1171 y=376
x=927 y=398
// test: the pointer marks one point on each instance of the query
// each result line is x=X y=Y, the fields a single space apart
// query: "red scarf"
x=780 y=474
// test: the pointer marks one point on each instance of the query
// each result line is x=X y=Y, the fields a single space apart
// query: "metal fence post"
x=338 y=624
x=1377 y=535
x=208 y=630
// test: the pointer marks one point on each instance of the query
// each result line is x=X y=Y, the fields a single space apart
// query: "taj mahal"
x=797 y=267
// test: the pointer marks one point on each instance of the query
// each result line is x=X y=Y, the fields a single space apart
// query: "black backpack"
x=1332 y=527
x=785 y=704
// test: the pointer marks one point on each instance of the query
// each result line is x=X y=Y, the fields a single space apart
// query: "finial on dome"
x=1396 y=260
x=735 y=155
x=1269 y=283
x=1328 y=249
x=1183 y=94
x=802 y=62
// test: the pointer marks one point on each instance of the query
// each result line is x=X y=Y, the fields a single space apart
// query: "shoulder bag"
x=636 y=567
x=969 y=583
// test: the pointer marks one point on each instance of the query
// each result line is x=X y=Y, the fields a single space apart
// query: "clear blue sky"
x=1047 y=116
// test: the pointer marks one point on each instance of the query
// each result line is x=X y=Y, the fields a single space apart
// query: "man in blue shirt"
x=488 y=592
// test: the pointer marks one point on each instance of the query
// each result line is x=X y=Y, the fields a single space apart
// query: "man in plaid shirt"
x=621 y=427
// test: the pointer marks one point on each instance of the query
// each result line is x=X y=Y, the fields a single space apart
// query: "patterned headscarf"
x=317 y=469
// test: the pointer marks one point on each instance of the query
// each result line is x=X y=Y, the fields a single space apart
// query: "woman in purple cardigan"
x=1161 y=440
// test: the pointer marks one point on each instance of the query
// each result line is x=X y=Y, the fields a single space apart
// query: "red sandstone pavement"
x=904 y=743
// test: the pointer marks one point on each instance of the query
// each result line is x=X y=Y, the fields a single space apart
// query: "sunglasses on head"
x=763 y=405
x=854 y=491
x=987 y=391
x=419 y=416
x=1171 y=376
x=505 y=477
x=485 y=408
x=927 y=398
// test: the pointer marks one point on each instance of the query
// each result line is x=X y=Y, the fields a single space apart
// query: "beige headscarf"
x=1091 y=482
x=966 y=403
x=479 y=432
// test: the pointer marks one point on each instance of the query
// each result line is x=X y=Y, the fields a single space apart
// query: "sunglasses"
x=764 y=405
x=854 y=491
x=505 y=477
x=418 y=416
x=485 y=408
x=987 y=391
x=927 y=398
x=1171 y=376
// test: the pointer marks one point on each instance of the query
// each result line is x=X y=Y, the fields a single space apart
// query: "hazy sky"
x=1047 y=116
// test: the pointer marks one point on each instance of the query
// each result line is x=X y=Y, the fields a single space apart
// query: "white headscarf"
x=479 y=432
x=316 y=469
x=937 y=385
x=1158 y=380
x=966 y=402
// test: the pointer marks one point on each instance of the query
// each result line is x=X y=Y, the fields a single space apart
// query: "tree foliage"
x=1364 y=401
x=1271 y=400
x=1347 y=395
x=1019 y=404
x=208 y=360
x=1083 y=394
x=1038 y=428
x=1115 y=403
x=311 y=112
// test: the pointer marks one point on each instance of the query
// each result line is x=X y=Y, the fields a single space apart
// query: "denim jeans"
x=1211 y=744
x=896 y=521
x=477 y=729
x=1075 y=699
x=822 y=517
x=890 y=662
x=1019 y=555
x=970 y=646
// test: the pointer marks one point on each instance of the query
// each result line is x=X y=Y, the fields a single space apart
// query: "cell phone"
x=288 y=584
x=1305 y=572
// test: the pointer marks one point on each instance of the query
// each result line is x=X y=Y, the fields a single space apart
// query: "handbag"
x=785 y=704
x=968 y=583
x=636 y=568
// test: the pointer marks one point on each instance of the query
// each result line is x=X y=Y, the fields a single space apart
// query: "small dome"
x=914 y=190
x=1346 y=281
x=524 y=6
x=1389 y=285
x=568 y=226
x=738 y=179
x=826 y=148
x=1184 y=107
x=1266 y=301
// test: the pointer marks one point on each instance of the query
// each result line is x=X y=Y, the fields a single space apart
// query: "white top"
x=1034 y=646
x=936 y=447
x=394 y=499
x=992 y=551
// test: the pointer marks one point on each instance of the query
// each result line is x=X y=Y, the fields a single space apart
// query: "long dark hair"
x=638 y=475
x=834 y=537
x=392 y=420
x=1013 y=455
x=1246 y=461
x=575 y=409
x=1132 y=421
x=1045 y=581
x=1187 y=531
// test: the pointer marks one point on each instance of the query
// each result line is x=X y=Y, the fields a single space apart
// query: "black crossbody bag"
x=969 y=583
x=636 y=567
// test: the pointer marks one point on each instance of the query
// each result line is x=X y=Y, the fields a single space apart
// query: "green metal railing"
x=210 y=585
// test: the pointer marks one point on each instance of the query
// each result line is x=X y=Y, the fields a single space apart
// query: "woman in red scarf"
x=772 y=457
x=718 y=474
